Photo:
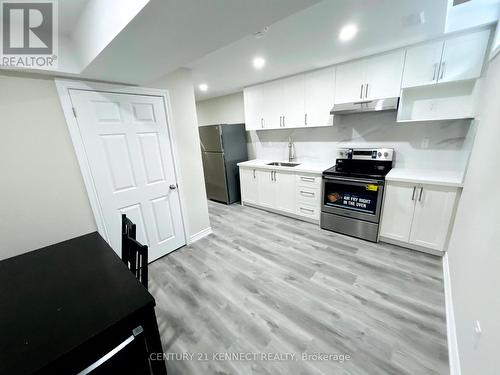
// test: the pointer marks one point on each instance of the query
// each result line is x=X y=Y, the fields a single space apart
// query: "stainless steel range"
x=353 y=192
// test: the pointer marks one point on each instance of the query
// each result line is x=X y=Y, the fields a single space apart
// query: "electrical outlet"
x=425 y=143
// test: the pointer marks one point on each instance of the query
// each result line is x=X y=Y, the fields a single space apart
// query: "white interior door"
x=128 y=149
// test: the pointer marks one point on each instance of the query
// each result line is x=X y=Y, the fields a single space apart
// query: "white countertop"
x=305 y=167
x=426 y=176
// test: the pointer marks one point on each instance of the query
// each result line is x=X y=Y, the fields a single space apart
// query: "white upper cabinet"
x=254 y=105
x=383 y=75
x=463 y=56
x=349 y=82
x=372 y=78
x=272 y=104
x=454 y=59
x=293 y=102
x=319 y=95
x=422 y=64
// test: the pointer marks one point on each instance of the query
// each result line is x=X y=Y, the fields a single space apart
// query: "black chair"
x=134 y=254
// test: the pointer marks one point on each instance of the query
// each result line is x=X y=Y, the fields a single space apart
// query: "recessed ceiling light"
x=203 y=87
x=348 y=32
x=259 y=62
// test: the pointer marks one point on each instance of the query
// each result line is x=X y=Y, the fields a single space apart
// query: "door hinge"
x=74 y=111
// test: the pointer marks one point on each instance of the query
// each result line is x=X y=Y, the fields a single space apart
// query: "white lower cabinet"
x=418 y=215
x=249 y=185
x=293 y=193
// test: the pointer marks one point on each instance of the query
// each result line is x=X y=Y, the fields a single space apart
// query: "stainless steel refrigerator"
x=222 y=148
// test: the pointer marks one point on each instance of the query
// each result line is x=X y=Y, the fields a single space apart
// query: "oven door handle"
x=361 y=180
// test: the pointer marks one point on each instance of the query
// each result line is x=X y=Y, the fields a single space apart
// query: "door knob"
x=173 y=187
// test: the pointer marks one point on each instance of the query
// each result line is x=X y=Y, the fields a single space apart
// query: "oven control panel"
x=366 y=153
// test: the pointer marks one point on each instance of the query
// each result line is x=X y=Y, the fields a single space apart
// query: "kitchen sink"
x=283 y=164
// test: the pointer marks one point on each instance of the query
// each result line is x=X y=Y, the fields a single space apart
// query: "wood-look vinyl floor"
x=272 y=289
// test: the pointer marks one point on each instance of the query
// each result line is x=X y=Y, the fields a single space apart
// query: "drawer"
x=308 y=180
x=307 y=210
x=308 y=195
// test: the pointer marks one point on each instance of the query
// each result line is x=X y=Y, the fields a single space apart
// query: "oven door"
x=356 y=198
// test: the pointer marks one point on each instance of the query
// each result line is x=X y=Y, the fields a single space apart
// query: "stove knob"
x=379 y=154
x=386 y=154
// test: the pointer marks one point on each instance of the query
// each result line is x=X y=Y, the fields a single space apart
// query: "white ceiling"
x=69 y=13
x=168 y=34
x=308 y=39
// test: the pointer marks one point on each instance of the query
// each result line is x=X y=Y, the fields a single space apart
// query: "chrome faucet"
x=291 y=150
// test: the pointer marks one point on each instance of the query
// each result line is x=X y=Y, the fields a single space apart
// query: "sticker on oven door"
x=372 y=187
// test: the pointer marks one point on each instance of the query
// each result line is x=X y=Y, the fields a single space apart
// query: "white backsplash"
x=441 y=145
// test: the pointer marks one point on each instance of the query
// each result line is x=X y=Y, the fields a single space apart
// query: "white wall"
x=441 y=145
x=474 y=250
x=42 y=196
x=227 y=109
x=185 y=127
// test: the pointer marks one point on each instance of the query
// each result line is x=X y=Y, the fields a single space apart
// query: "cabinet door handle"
x=308 y=179
x=305 y=119
x=283 y=121
x=413 y=194
x=441 y=69
x=308 y=193
x=366 y=91
x=262 y=122
x=435 y=71
x=420 y=196
x=306 y=209
x=361 y=91
x=254 y=174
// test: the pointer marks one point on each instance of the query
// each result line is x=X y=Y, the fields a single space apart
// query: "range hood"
x=387 y=104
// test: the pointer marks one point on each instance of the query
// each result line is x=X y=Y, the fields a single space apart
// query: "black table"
x=64 y=306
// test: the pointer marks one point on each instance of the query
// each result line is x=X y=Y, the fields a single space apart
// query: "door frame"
x=63 y=87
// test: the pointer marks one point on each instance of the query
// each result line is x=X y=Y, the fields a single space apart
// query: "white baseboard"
x=198 y=236
x=450 y=321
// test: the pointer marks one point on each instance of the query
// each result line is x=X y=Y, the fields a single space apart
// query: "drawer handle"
x=309 y=179
x=306 y=209
x=308 y=193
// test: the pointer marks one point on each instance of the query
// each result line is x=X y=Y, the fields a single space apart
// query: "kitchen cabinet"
x=422 y=64
x=249 y=185
x=292 y=108
x=399 y=206
x=291 y=193
x=319 y=95
x=373 y=78
x=463 y=56
x=254 y=105
x=383 y=75
x=285 y=191
x=266 y=188
x=457 y=58
x=297 y=101
x=349 y=82
x=418 y=215
x=276 y=189
x=272 y=104
x=434 y=207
